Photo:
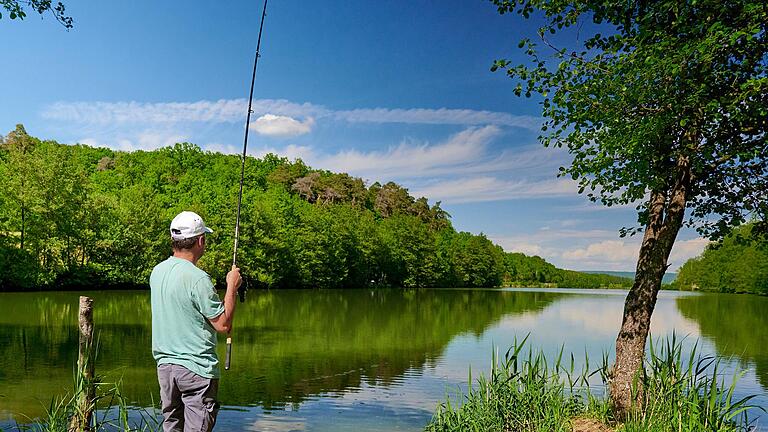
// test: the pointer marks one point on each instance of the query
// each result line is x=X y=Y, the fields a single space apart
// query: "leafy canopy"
x=653 y=84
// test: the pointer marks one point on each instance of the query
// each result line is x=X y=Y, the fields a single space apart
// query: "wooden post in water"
x=86 y=387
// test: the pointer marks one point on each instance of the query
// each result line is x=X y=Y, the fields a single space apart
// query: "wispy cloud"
x=233 y=111
x=459 y=169
x=220 y=111
x=477 y=189
x=438 y=116
x=415 y=160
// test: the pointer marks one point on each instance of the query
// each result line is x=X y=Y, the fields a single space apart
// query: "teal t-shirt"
x=183 y=299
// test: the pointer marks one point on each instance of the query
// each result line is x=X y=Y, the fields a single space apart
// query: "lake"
x=356 y=360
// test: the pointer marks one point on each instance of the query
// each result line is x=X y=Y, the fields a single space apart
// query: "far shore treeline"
x=738 y=264
x=74 y=217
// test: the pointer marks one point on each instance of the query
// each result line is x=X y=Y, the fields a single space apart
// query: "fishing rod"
x=241 y=290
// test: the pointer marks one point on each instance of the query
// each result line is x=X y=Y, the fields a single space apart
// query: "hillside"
x=74 y=216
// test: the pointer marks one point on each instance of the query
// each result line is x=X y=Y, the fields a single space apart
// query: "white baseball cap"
x=188 y=224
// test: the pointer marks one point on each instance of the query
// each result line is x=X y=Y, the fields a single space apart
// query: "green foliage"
x=665 y=99
x=737 y=264
x=522 y=270
x=15 y=10
x=527 y=393
x=77 y=216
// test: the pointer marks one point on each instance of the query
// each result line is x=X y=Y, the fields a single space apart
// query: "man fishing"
x=186 y=314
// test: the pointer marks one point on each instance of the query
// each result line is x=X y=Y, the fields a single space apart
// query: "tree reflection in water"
x=288 y=345
x=736 y=324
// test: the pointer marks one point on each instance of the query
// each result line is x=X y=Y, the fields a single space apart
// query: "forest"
x=738 y=264
x=74 y=216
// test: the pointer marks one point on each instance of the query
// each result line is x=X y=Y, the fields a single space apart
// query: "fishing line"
x=242 y=289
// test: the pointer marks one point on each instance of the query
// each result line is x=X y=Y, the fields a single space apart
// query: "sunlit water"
x=358 y=359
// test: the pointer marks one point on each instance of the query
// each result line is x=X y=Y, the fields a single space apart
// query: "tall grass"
x=527 y=393
x=687 y=394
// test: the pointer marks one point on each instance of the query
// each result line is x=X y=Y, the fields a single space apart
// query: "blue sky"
x=383 y=90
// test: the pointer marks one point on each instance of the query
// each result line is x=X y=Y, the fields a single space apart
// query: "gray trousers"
x=189 y=400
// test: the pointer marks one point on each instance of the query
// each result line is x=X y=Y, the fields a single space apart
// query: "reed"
x=527 y=392
x=113 y=411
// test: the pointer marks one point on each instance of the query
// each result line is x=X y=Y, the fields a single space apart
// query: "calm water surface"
x=357 y=359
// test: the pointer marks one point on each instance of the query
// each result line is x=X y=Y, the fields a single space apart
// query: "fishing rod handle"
x=229 y=353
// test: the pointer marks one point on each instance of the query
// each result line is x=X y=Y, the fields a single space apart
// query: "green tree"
x=664 y=105
x=737 y=264
x=15 y=10
x=18 y=147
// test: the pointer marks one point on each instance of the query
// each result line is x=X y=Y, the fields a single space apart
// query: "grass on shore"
x=527 y=393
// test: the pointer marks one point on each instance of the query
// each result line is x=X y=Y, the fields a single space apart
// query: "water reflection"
x=359 y=359
x=737 y=325
x=288 y=345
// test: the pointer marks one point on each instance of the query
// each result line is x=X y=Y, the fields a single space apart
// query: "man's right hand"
x=223 y=322
x=233 y=278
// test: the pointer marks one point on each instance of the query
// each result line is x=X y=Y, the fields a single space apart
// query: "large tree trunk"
x=665 y=217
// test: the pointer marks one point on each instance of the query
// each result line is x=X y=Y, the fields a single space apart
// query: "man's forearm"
x=230 y=302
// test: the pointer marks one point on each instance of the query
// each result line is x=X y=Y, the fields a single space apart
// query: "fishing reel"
x=242 y=289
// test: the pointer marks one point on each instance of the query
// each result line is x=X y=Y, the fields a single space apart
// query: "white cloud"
x=623 y=254
x=143 y=140
x=596 y=249
x=608 y=252
x=415 y=160
x=529 y=249
x=431 y=170
x=438 y=116
x=477 y=189
x=281 y=126
x=547 y=243
x=234 y=110
x=290 y=151
x=92 y=142
x=220 y=111
x=685 y=250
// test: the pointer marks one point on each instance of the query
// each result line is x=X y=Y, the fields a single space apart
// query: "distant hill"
x=669 y=277
x=534 y=271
